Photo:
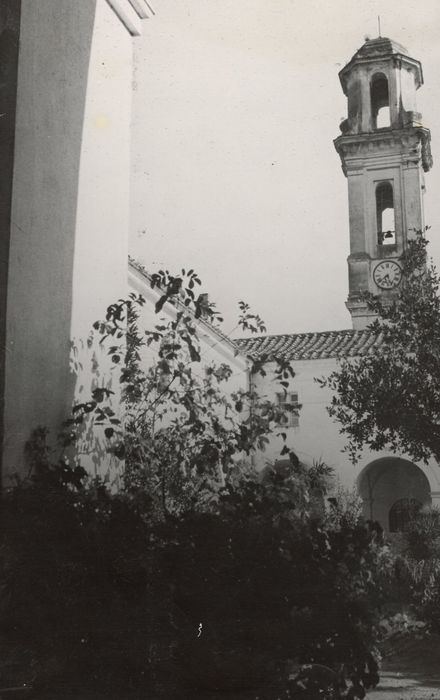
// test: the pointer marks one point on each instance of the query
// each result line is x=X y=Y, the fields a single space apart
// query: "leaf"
x=194 y=353
x=294 y=459
x=160 y=303
x=119 y=450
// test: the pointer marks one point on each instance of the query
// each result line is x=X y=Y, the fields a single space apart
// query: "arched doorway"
x=401 y=513
x=392 y=490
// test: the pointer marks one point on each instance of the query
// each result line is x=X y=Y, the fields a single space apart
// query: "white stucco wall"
x=70 y=206
x=102 y=217
x=317 y=436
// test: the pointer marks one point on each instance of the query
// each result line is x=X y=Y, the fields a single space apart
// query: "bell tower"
x=384 y=151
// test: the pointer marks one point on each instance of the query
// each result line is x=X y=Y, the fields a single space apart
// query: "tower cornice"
x=411 y=144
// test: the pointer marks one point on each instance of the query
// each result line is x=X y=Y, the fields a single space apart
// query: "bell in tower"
x=384 y=150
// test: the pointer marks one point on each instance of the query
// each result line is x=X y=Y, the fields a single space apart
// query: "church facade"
x=385 y=152
x=64 y=219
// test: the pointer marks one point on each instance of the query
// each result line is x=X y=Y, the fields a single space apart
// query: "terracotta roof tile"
x=312 y=346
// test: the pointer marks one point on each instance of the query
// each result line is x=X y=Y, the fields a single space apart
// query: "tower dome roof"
x=379 y=49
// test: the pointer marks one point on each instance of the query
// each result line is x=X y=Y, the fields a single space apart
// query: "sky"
x=236 y=105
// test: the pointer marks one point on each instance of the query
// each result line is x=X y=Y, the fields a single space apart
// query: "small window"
x=402 y=512
x=386 y=227
x=380 y=102
x=288 y=401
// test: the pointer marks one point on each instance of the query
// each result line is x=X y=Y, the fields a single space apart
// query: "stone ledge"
x=143 y=9
x=130 y=13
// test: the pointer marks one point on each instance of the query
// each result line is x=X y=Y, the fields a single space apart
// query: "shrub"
x=223 y=598
x=419 y=565
x=422 y=534
x=199 y=573
x=345 y=507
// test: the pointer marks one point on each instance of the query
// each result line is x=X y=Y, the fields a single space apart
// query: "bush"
x=75 y=585
x=422 y=534
x=100 y=595
x=419 y=565
x=199 y=574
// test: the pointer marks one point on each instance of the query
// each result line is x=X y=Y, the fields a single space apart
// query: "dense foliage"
x=98 y=594
x=418 y=566
x=183 y=429
x=199 y=574
x=391 y=398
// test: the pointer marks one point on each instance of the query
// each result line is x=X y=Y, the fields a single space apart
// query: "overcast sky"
x=237 y=103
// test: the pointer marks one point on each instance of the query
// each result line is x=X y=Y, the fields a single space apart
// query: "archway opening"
x=386 y=228
x=380 y=102
x=401 y=513
x=392 y=489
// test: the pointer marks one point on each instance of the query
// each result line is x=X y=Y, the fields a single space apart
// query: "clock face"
x=387 y=274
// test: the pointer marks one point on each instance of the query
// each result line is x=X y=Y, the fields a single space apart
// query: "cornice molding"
x=411 y=146
x=359 y=256
x=143 y=9
x=130 y=13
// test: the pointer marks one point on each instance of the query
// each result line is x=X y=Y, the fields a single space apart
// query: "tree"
x=200 y=572
x=182 y=430
x=390 y=398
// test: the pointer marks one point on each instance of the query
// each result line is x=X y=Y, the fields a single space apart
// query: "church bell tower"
x=384 y=150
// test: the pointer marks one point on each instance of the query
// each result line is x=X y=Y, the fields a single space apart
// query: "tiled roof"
x=312 y=346
x=293 y=346
x=380 y=46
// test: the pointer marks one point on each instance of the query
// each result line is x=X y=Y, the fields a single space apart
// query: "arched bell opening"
x=392 y=490
x=385 y=218
x=380 y=102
